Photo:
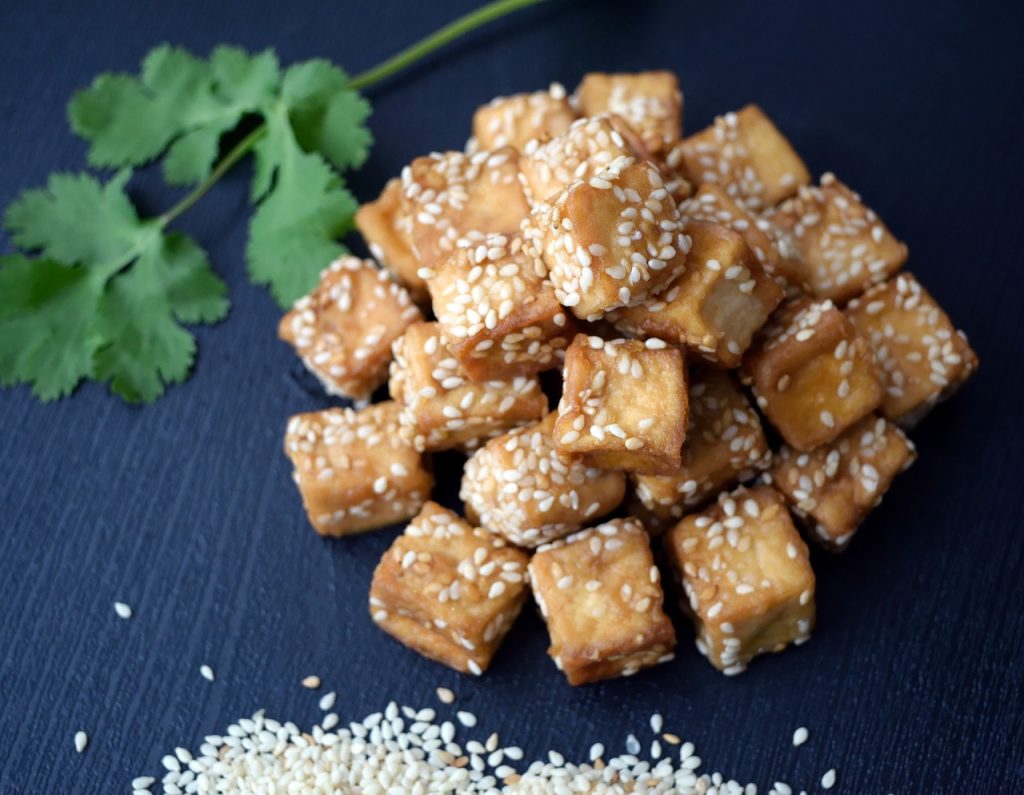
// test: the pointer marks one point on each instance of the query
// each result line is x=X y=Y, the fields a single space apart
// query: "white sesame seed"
x=829 y=779
x=326 y=702
x=81 y=741
x=800 y=737
x=445 y=696
x=311 y=682
x=123 y=610
x=467 y=719
x=206 y=672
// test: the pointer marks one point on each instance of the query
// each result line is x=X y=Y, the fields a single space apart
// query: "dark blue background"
x=913 y=680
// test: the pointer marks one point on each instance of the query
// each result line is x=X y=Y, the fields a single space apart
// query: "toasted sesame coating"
x=724 y=445
x=600 y=594
x=772 y=246
x=344 y=328
x=845 y=247
x=833 y=487
x=454 y=199
x=497 y=311
x=812 y=374
x=612 y=240
x=442 y=408
x=387 y=229
x=624 y=405
x=746 y=577
x=921 y=356
x=448 y=590
x=714 y=308
x=515 y=121
x=588 y=147
x=650 y=102
x=518 y=486
x=354 y=470
x=745 y=154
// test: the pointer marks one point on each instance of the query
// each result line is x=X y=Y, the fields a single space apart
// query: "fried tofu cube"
x=448 y=590
x=387 y=230
x=354 y=470
x=813 y=375
x=845 y=247
x=772 y=246
x=497 y=311
x=588 y=147
x=518 y=486
x=515 y=121
x=344 y=328
x=921 y=357
x=746 y=577
x=454 y=199
x=714 y=308
x=833 y=487
x=600 y=594
x=442 y=408
x=747 y=156
x=724 y=445
x=650 y=102
x=623 y=405
x=612 y=240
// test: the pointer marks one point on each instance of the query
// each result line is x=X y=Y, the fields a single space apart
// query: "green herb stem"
x=440 y=38
x=238 y=151
x=407 y=57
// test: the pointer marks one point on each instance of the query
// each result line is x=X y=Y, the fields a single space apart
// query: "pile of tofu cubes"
x=704 y=303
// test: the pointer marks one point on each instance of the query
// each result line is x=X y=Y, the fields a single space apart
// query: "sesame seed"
x=311 y=682
x=326 y=702
x=800 y=737
x=206 y=672
x=445 y=696
x=81 y=741
x=123 y=610
x=467 y=719
x=829 y=779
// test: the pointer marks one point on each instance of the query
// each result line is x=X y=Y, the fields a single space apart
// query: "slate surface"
x=912 y=682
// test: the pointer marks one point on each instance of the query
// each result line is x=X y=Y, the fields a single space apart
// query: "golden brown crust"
x=612 y=240
x=714 y=308
x=922 y=358
x=442 y=408
x=746 y=577
x=497 y=311
x=833 y=487
x=388 y=234
x=724 y=445
x=650 y=102
x=515 y=121
x=448 y=590
x=813 y=375
x=344 y=328
x=844 y=246
x=747 y=156
x=519 y=486
x=600 y=594
x=624 y=405
x=354 y=470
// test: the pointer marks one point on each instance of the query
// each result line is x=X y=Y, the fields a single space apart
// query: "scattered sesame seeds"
x=81 y=741
x=123 y=610
x=311 y=682
x=206 y=672
x=800 y=737
x=326 y=702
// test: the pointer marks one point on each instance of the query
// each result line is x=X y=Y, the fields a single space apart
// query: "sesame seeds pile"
x=403 y=750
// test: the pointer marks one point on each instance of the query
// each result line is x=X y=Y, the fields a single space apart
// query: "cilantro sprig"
x=97 y=292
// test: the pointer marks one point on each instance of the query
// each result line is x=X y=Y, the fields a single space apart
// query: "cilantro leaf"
x=180 y=101
x=326 y=115
x=46 y=314
x=75 y=219
x=107 y=298
x=292 y=234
